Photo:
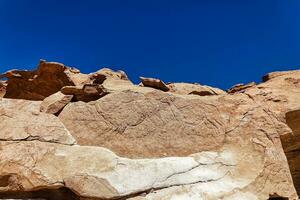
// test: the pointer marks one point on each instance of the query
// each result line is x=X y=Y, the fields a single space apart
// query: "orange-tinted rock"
x=192 y=142
x=154 y=83
x=86 y=93
x=240 y=87
x=55 y=102
x=195 y=89
x=47 y=79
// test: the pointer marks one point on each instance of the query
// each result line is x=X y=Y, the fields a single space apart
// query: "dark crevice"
x=202 y=93
x=277 y=197
x=4 y=181
x=43 y=194
x=291 y=147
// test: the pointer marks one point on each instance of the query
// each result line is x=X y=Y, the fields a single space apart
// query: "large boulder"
x=86 y=93
x=153 y=124
x=97 y=173
x=21 y=120
x=55 y=102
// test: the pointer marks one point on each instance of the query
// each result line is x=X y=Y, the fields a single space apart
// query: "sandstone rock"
x=47 y=79
x=279 y=95
x=272 y=75
x=196 y=89
x=106 y=73
x=86 y=93
x=21 y=121
x=2 y=88
x=293 y=121
x=55 y=103
x=154 y=83
x=168 y=145
x=184 y=125
x=50 y=77
x=240 y=87
x=96 y=173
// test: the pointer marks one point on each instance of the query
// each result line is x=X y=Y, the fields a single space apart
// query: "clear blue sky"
x=214 y=42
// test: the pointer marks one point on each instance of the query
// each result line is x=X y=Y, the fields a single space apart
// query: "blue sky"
x=213 y=42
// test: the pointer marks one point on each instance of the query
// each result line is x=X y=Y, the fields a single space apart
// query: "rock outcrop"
x=47 y=79
x=85 y=93
x=194 y=89
x=279 y=93
x=154 y=83
x=240 y=87
x=55 y=102
x=98 y=136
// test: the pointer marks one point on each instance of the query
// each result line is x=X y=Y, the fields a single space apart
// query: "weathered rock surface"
x=47 y=79
x=154 y=83
x=160 y=142
x=240 y=87
x=85 y=93
x=21 y=120
x=280 y=94
x=196 y=89
x=50 y=77
x=55 y=102
x=2 y=88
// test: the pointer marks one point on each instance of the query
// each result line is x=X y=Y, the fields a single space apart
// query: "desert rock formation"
x=67 y=135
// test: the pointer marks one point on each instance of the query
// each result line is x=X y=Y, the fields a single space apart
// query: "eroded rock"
x=195 y=89
x=50 y=77
x=85 y=93
x=20 y=120
x=142 y=143
x=154 y=83
x=240 y=87
x=47 y=79
x=96 y=173
x=55 y=103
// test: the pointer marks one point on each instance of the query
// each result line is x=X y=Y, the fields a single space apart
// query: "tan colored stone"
x=195 y=89
x=183 y=125
x=169 y=145
x=20 y=120
x=2 y=88
x=154 y=83
x=85 y=93
x=279 y=95
x=55 y=102
x=96 y=173
x=240 y=87
x=272 y=75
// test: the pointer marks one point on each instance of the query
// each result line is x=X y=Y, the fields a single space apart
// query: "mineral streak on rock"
x=72 y=136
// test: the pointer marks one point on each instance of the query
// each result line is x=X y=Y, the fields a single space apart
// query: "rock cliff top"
x=67 y=135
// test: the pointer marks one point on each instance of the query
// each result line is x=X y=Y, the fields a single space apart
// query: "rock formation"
x=66 y=135
x=154 y=83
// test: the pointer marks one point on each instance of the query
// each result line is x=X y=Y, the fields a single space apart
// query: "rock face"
x=280 y=93
x=98 y=136
x=55 y=102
